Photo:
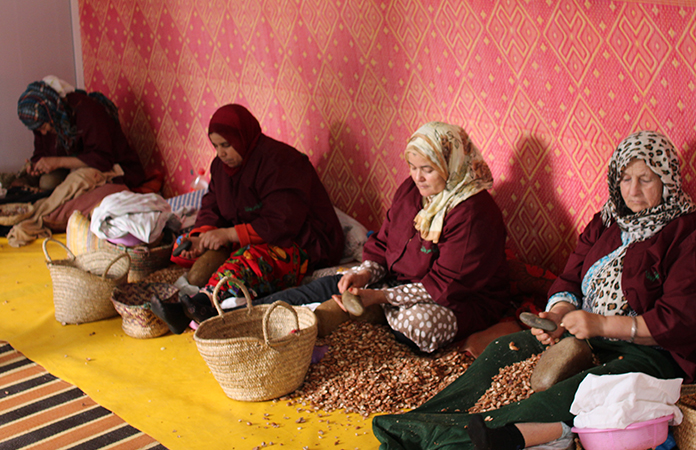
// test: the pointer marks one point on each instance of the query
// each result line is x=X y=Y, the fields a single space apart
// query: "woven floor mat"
x=40 y=411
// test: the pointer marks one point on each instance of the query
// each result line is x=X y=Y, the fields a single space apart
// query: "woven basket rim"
x=112 y=271
x=123 y=288
x=261 y=310
x=15 y=219
x=143 y=249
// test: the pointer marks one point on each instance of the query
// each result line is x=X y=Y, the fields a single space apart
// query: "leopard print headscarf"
x=602 y=284
x=659 y=155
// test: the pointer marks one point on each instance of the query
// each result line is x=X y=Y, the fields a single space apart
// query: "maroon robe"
x=100 y=143
x=277 y=192
x=466 y=271
x=658 y=280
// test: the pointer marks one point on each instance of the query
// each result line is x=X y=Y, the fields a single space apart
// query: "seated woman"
x=437 y=265
x=266 y=211
x=72 y=131
x=628 y=288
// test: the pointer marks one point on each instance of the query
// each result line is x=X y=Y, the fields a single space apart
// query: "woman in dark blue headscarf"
x=75 y=130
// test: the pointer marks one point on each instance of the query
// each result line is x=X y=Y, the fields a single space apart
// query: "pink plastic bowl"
x=128 y=240
x=637 y=436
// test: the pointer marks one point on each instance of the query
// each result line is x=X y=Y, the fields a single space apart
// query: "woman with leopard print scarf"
x=628 y=288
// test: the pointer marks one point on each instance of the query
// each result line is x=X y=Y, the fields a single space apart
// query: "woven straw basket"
x=685 y=433
x=145 y=259
x=259 y=352
x=132 y=301
x=82 y=284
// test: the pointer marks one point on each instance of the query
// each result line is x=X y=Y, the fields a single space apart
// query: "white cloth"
x=616 y=401
x=62 y=87
x=144 y=216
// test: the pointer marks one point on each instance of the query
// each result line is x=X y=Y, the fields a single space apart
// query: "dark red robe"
x=100 y=144
x=277 y=192
x=658 y=280
x=466 y=271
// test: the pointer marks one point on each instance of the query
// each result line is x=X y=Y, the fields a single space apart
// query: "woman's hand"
x=557 y=313
x=47 y=164
x=353 y=279
x=584 y=325
x=549 y=337
x=216 y=239
x=368 y=297
x=195 y=251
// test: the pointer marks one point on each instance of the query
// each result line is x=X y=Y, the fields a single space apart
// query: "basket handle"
x=48 y=258
x=267 y=316
x=237 y=283
x=114 y=261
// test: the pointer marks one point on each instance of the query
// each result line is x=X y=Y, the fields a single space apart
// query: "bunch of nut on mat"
x=511 y=385
x=366 y=371
x=167 y=275
x=537 y=373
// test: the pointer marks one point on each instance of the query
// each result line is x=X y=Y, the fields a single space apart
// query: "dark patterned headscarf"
x=659 y=155
x=40 y=104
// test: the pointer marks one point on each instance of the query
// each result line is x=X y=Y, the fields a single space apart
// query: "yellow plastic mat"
x=160 y=386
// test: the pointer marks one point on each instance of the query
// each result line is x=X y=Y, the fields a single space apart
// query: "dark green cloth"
x=440 y=422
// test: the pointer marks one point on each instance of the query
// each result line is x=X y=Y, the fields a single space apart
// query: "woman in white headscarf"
x=437 y=265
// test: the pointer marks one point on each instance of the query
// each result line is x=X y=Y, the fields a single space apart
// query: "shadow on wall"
x=346 y=187
x=141 y=135
x=687 y=159
x=535 y=217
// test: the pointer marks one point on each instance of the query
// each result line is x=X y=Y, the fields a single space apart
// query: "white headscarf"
x=62 y=87
x=455 y=157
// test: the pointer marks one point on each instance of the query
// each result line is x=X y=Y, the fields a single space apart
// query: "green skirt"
x=440 y=423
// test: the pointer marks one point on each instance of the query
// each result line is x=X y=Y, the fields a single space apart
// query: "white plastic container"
x=200 y=183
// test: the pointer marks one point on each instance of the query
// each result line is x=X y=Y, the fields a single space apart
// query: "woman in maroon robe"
x=437 y=266
x=267 y=205
x=76 y=130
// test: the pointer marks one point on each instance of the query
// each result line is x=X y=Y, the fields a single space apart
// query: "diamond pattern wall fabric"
x=545 y=88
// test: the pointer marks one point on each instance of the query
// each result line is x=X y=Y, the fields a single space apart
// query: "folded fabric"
x=144 y=216
x=616 y=401
x=78 y=182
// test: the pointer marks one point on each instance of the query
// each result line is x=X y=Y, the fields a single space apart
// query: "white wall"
x=35 y=40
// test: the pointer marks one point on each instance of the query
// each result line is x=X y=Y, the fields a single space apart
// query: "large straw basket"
x=259 y=352
x=132 y=301
x=82 y=284
x=685 y=433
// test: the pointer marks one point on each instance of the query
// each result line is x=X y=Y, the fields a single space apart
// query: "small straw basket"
x=82 y=284
x=132 y=301
x=259 y=352
x=685 y=433
x=146 y=259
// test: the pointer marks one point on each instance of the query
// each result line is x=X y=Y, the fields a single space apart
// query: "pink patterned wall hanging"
x=545 y=88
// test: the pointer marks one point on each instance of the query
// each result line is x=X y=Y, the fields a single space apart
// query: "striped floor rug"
x=41 y=412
